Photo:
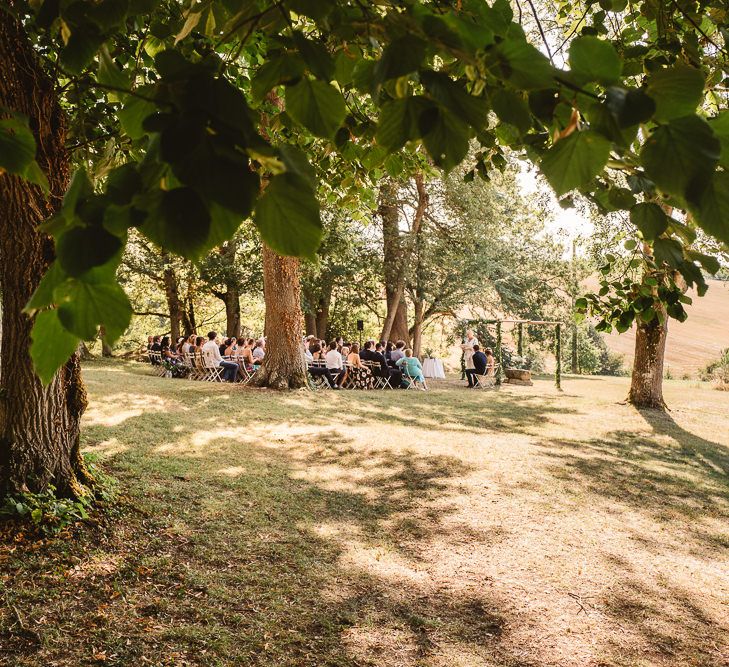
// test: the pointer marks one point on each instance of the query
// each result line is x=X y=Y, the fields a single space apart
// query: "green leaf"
x=573 y=162
x=629 y=106
x=17 y=151
x=83 y=248
x=712 y=211
x=593 y=59
x=178 y=221
x=453 y=97
x=287 y=216
x=85 y=306
x=401 y=56
x=133 y=114
x=447 y=139
x=679 y=157
x=316 y=57
x=399 y=121
x=677 y=90
x=284 y=68
x=650 y=220
x=708 y=263
x=81 y=48
x=43 y=295
x=512 y=108
x=669 y=251
x=720 y=126
x=51 y=346
x=316 y=105
x=17 y=145
x=522 y=64
x=110 y=75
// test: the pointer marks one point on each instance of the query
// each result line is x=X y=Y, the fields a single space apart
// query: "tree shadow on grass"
x=234 y=557
x=679 y=482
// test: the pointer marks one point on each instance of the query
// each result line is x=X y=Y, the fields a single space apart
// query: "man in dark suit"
x=479 y=365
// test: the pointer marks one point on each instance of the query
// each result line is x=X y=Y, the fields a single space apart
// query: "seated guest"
x=167 y=352
x=412 y=367
x=321 y=371
x=318 y=353
x=334 y=362
x=367 y=351
x=395 y=374
x=224 y=346
x=259 y=351
x=243 y=353
x=398 y=353
x=199 y=341
x=232 y=348
x=155 y=347
x=389 y=347
x=213 y=358
x=479 y=361
x=490 y=361
x=188 y=344
x=150 y=342
x=360 y=375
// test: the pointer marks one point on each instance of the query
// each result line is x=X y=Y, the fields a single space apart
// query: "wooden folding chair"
x=485 y=381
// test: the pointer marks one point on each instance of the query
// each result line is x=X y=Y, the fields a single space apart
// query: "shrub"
x=718 y=371
x=49 y=513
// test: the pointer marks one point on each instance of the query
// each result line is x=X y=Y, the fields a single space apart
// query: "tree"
x=183 y=93
x=233 y=271
x=39 y=423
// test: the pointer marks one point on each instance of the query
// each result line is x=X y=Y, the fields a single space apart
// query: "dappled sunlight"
x=519 y=527
x=97 y=565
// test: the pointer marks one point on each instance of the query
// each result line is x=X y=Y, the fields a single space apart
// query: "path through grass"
x=451 y=528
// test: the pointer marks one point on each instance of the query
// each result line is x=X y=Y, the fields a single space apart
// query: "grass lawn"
x=523 y=527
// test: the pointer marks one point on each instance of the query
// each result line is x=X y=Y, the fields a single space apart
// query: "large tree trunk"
x=646 y=385
x=283 y=366
x=39 y=426
x=174 y=307
x=310 y=324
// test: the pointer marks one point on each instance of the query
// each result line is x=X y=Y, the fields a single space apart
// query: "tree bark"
x=106 y=350
x=418 y=326
x=39 y=426
x=172 y=294
x=646 y=385
x=232 y=311
x=397 y=254
x=322 y=311
x=283 y=366
x=310 y=324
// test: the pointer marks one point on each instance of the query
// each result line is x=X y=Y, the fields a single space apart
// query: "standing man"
x=213 y=359
x=467 y=348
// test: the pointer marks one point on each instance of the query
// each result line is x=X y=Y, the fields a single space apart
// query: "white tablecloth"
x=433 y=368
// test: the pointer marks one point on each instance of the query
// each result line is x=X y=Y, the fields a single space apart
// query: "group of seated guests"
x=231 y=353
x=342 y=363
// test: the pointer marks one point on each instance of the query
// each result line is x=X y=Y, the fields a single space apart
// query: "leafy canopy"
x=213 y=112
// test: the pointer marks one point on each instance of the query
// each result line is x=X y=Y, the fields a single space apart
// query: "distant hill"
x=693 y=343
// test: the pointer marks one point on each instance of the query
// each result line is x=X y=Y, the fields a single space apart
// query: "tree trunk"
x=189 y=326
x=322 y=311
x=646 y=385
x=39 y=426
x=418 y=327
x=232 y=311
x=83 y=352
x=310 y=324
x=172 y=294
x=283 y=366
x=397 y=255
x=106 y=350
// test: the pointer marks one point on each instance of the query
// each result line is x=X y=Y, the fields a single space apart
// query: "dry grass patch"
x=523 y=527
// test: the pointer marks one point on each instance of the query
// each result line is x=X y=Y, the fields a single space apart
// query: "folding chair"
x=156 y=360
x=348 y=382
x=317 y=382
x=413 y=382
x=485 y=381
x=376 y=370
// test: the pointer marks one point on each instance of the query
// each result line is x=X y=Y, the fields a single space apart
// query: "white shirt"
x=211 y=354
x=309 y=356
x=334 y=359
x=468 y=351
x=258 y=353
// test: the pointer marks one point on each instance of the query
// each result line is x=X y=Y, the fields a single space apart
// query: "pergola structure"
x=468 y=324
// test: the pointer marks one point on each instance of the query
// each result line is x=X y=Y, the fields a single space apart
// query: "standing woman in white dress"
x=467 y=348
